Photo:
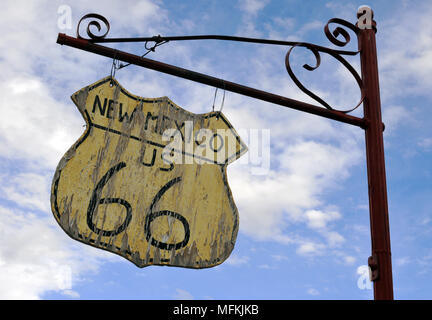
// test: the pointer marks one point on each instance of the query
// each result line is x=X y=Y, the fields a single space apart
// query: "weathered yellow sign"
x=147 y=180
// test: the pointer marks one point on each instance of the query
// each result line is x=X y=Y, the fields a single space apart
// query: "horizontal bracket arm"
x=86 y=45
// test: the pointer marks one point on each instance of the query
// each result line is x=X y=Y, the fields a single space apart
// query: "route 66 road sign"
x=147 y=180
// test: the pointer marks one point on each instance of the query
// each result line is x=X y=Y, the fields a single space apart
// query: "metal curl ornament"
x=332 y=36
x=94 y=23
x=337 y=54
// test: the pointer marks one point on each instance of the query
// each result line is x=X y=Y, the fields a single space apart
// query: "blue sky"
x=304 y=222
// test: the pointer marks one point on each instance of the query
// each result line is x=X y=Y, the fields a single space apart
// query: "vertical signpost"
x=380 y=261
x=368 y=82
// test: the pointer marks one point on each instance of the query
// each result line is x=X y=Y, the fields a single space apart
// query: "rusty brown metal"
x=337 y=54
x=373 y=266
x=208 y=80
x=96 y=21
x=380 y=262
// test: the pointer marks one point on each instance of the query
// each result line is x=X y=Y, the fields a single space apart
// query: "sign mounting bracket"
x=368 y=83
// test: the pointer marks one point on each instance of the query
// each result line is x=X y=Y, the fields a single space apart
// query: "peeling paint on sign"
x=147 y=180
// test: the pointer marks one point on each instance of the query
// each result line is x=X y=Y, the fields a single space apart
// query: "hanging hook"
x=114 y=67
x=158 y=42
x=223 y=101
x=214 y=100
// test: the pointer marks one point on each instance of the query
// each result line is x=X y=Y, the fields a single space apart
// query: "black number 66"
x=95 y=200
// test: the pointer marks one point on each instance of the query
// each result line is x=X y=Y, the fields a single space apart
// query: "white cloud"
x=343 y=9
x=39 y=123
x=279 y=257
x=393 y=115
x=35 y=257
x=266 y=267
x=270 y=206
x=311 y=249
x=252 y=7
x=28 y=190
x=349 y=260
x=318 y=162
x=288 y=29
x=35 y=127
x=261 y=202
x=425 y=143
x=71 y=293
x=334 y=239
x=405 y=69
x=183 y=295
x=319 y=219
x=402 y=261
x=235 y=260
x=313 y=292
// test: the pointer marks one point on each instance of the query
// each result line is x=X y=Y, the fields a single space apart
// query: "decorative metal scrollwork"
x=94 y=23
x=339 y=37
x=337 y=54
x=332 y=36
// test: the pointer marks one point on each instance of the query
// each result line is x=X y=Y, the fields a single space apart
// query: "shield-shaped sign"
x=147 y=180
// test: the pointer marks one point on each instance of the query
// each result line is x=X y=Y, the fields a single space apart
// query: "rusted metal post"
x=380 y=261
